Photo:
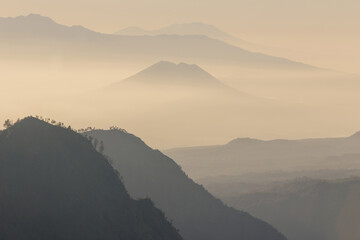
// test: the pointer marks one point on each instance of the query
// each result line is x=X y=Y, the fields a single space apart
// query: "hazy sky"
x=319 y=32
x=237 y=16
x=323 y=33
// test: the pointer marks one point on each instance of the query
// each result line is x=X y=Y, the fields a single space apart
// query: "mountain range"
x=195 y=28
x=308 y=188
x=55 y=185
x=246 y=155
x=39 y=36
x=194 y=211
x=307 y=208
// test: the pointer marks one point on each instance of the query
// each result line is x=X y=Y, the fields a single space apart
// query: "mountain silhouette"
x=39 y=36
x=55 y=185
x=195 y=28
x=194 y=211
x=307 y=208
x=37 y=26
x=167 y=74
x=170 y=73
x=246 y=155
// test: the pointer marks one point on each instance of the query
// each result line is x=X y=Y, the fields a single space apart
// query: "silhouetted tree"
x=116 y=128
x=8 y=123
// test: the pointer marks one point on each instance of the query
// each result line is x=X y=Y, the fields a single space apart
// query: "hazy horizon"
x=320 y=33
x=179 y=120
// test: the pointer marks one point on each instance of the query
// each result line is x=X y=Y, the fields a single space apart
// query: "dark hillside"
x=195 y=212
x=55 y=185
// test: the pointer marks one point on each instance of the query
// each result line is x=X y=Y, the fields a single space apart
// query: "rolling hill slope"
x=197 y=214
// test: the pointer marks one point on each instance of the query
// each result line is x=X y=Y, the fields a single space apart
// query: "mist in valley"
x=151 y=120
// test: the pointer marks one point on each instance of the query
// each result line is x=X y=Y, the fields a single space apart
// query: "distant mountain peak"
x=26 y=23
x=163 y=64
x=33 y=18
x=166 y=65
x=183 y=29
x=165 y=72
x=244 y=141
x=38 y=24
x=355 y=135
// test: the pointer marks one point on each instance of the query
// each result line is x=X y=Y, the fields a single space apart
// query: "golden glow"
x=321 y=33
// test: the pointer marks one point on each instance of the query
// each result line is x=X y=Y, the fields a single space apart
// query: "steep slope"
x=54 y=185
x=195 y=212
x=246 y=155
x=39 y=35
x=307 y=209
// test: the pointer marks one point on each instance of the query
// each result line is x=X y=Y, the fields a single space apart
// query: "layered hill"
x=245 y=155
x=35 y=34
x=195 y=28
x=194 y=211
x=39 y=27
x=55 y=185
x=307 y=209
